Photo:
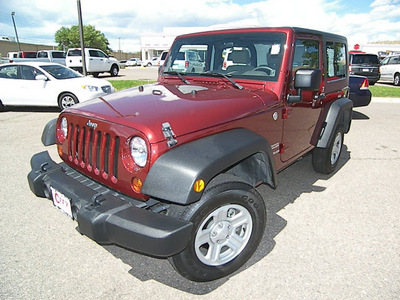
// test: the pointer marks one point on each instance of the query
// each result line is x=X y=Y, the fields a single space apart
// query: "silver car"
x=390 y=69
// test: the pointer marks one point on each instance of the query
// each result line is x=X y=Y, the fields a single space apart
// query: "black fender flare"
x=49 y=133
x=173 y=175
x=339 y=112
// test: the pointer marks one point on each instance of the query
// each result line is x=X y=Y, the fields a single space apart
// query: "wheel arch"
x=114 y=65
x=338 y=113
x=240 y=152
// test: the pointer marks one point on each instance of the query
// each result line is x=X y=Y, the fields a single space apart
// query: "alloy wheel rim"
x=223 y=235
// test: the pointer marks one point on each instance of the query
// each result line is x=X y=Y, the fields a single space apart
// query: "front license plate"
x=61 y=202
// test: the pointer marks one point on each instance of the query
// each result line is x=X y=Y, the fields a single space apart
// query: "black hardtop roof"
x=317 y=32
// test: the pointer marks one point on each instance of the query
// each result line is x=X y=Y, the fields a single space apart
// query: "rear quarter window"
x=336 y=60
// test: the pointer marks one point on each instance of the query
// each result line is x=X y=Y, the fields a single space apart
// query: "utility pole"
x=15 y=28
x=82 y=38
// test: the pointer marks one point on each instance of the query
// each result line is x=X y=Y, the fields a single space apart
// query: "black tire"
x=114 y=71
x=96 y=74
x=223 y=204
x=325 y=160
x=2 y=108
x=396 y=80
x=67 y=100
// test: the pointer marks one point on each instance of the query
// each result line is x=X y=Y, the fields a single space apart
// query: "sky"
x=124 y=21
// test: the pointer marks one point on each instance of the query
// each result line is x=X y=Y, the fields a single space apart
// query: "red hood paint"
x=188 y=108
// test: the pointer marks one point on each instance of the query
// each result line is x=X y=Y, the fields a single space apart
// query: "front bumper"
x=106 y=216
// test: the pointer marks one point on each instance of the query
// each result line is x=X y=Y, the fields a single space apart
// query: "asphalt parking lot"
x=327 y=237
x=134 y=73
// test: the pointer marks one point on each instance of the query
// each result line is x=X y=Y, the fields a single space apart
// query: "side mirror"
x=305 y=79
x=41 y=77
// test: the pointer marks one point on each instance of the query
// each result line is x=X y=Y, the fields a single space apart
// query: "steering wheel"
x=265 y=69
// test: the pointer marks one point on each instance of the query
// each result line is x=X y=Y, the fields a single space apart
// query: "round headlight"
x=64 y=126
x=139 y=151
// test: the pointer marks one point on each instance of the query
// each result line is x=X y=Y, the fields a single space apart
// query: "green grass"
x=385 y=91
x=126 y=84
x=376 y=90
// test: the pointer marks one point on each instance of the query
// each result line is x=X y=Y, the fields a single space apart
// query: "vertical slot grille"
x=94 y=151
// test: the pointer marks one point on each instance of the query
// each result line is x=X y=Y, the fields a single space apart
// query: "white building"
x=380 y=49
x=152 y=44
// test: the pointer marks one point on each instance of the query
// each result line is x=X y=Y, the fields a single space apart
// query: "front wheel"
x=114 y=71
x=325 y=160
x=229 y=222
x=66 y=100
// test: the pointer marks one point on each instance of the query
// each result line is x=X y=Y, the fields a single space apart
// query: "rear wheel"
x=396 y=80
x=66 y=100
x=229 y=221
x=325 y=160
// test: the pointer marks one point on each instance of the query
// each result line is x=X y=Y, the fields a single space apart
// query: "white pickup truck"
x=56 y=56
x=96 y=61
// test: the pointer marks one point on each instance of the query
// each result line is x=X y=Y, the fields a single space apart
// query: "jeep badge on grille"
x=91 y=124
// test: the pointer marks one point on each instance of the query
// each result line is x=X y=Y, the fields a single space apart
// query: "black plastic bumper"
x=106 y=217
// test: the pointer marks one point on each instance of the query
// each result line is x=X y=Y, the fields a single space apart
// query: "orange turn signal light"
x=59 y=150
x=199 y=185
x=137 y=184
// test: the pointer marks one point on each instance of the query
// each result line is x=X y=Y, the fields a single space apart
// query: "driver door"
x=302 y=117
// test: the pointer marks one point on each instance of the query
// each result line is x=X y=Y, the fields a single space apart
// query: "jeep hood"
x=187 y=108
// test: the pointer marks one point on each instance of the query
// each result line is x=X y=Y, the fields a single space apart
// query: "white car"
x=149 y=63
x=47 y=84
x=133 y=62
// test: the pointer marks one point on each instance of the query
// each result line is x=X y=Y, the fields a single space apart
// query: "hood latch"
x=169 y=134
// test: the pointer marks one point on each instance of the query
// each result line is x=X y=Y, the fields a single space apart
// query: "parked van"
x=390 y=69
x=188 y=61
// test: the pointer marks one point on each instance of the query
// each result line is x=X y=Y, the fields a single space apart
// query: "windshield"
x=60 y=72
x=249 y=56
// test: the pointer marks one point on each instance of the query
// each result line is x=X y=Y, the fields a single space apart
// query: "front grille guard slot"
x=94 y=150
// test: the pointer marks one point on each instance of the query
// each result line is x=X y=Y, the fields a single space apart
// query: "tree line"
x=70 y=38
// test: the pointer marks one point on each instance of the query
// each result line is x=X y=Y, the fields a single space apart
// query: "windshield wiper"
x=179 y=75
x=216 y=74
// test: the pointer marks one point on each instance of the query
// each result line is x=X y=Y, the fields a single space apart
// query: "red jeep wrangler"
x=171 y=169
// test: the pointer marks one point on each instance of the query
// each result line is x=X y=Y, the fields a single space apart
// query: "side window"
x=29 y=73
x=9 y=72
x=93 y=53
x=394 y=60
x=336 y=60
x=306 y=55
x=100 y=54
